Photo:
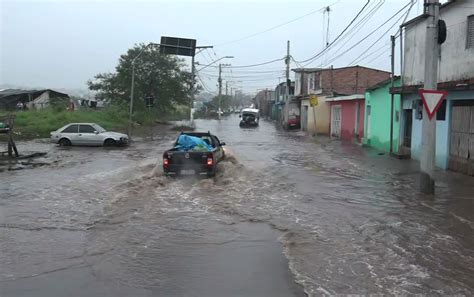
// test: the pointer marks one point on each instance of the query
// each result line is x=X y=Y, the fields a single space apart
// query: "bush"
x=39 y=123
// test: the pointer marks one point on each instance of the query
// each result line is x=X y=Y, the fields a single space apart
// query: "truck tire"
x=212 y=173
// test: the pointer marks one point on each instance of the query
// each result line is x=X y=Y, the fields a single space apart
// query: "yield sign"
x=432 y=100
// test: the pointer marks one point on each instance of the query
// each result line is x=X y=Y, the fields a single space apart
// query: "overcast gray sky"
x=62 y=44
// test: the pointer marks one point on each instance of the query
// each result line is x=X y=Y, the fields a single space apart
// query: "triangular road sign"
x=432 y=100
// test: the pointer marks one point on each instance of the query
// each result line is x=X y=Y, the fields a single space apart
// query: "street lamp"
x=133 y=85
x=219 y=80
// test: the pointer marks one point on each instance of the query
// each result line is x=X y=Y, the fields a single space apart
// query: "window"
x=98 y=128
x=86 y=129
x=71 y=129
x=470 y=32
x=311 y=82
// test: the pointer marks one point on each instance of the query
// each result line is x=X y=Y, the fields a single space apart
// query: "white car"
x=87 y=134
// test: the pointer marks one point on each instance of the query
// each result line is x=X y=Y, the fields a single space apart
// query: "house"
x=343 y=87
x=347 y=117
x=278 y=108
x=377 y=117
x=455 y=119
x=264 y=101
x=9 y=98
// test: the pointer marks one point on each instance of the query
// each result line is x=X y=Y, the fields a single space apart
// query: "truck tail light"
x=166 y=162
x=210 y=161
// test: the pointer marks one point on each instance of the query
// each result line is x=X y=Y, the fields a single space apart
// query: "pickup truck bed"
x=177 y=162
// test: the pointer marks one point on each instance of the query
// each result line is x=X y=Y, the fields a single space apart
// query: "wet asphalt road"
x=336 y=218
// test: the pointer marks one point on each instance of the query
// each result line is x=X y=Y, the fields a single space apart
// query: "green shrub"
x=39 y=123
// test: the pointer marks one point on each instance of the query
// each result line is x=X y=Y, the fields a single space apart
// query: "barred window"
x=470 y=31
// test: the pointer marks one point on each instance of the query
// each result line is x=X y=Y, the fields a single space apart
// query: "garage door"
x=461 y=146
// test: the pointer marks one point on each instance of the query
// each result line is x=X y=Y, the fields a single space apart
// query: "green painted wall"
x=377 y=121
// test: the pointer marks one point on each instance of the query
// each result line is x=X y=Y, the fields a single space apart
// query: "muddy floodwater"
x=286 y=215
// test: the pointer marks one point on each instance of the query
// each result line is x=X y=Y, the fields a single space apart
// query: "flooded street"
x=286 y=215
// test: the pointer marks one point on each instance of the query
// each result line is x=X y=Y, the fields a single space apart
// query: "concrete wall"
x=442 y=128
x=322 y=116
x=378 y=135
x=456 y=61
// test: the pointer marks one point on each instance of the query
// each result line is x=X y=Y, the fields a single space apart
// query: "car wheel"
x=110 y=142
x=64 y=142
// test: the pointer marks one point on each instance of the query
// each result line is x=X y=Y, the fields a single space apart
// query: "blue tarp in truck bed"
x=188 y=143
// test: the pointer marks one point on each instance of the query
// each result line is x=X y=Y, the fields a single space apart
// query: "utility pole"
x=392 y=80
x=219 y=80
x=288 y=84
x=191 y=103
x=226 y=87
x=428 y=141
x=193 y=80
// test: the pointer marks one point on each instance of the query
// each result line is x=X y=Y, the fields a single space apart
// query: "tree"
x=226 y=102
x=155 y=74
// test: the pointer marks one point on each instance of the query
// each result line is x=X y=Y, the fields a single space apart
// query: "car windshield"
x=98 y=128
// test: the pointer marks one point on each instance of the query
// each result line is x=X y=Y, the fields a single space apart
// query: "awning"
x=346 y=97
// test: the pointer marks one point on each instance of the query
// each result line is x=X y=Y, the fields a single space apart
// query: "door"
x=71 y=133
x=369 y=121
x=217 y=144
x=336 y=121
x=88 y=136
x=357 y=119
x=407 y=127
x=461 y=140
x=304 y=118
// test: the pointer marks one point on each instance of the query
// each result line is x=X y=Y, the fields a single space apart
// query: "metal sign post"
x=183 y=47
x=149 y=102
x=170 y=46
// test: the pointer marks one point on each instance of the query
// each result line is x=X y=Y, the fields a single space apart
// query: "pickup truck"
x=177 y=161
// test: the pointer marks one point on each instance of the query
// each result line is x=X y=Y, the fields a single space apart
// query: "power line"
x=248 y=78
x=256 y=65
x=340 y=34
x=296 y=62
x=275 y=27
x=357 y=27
x=368 y=54
x=204 y=85
x=378 y=56
x=383 y=35
x=258 y=80
x=370 y=34
x=239 y=71
x=406 y=16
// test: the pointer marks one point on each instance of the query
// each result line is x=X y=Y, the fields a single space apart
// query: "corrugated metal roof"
x=9 y=92
x=12 y=92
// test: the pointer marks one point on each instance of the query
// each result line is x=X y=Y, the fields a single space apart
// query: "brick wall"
x=351 y=80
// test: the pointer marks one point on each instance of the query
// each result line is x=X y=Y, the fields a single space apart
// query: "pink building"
x=347 y=117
